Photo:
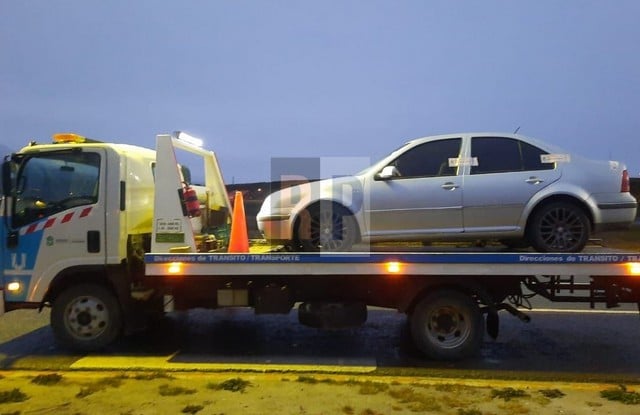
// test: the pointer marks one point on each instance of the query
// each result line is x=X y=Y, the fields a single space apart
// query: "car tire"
x=86 y=317
x=447 y=325
x=326 y=227
x=559 y=227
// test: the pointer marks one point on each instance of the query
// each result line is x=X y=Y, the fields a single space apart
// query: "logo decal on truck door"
x=14 y=261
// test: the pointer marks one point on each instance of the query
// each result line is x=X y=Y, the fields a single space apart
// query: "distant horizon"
x=5 y=150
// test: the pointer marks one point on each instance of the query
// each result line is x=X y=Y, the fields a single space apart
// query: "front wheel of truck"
x=86 y=317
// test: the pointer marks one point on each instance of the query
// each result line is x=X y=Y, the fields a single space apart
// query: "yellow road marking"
x=166 y=363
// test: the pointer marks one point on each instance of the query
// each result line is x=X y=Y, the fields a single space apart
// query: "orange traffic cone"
x=239 y=240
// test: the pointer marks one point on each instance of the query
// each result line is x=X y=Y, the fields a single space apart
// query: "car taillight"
x=626 y=185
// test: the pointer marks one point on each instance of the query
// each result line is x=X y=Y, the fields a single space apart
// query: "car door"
x=423 y=197
x=505 y=175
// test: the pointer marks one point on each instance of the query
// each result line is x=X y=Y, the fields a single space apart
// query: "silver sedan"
x=471 y=186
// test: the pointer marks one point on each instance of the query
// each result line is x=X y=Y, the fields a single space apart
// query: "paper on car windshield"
x=614 y=165
x=555 y=158
x=463 y=161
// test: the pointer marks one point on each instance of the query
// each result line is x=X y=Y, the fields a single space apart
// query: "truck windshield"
x=50 y=183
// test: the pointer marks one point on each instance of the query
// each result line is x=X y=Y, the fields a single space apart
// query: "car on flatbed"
x=458 y=187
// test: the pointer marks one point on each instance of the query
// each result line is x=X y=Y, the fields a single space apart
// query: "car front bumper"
x=275 y=227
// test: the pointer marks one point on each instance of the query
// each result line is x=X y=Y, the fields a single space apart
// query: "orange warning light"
x=174 y=268
x=634 y=268
x=393 y=267
x=68 y=138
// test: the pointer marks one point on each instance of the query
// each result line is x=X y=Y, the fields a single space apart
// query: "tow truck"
x=109 y=235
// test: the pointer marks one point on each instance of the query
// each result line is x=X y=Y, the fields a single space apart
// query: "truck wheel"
x=326 y=227
x=86 y=317
x=559 y=227
x=447 y=325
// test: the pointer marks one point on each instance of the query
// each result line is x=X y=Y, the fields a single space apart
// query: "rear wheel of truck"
x=447 y=325
x=86 y=317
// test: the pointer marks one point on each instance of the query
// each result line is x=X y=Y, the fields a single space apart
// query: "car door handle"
x=534 y=180
x=449 y=186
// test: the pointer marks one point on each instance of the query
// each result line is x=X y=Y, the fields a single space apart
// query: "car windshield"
x=390 y=155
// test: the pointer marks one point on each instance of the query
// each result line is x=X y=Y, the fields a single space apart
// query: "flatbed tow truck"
x=107 y=235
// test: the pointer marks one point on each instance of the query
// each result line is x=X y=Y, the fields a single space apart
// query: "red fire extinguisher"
x=191 y=201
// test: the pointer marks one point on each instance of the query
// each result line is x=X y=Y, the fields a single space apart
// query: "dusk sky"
x=264 y=79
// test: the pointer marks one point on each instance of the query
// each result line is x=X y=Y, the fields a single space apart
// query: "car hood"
x=346 y=191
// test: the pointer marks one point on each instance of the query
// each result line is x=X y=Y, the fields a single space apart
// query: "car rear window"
x=501 y=155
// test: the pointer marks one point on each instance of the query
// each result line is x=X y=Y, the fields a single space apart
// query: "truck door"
x=56 y=220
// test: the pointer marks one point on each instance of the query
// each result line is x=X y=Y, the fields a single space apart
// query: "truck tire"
x=447 y=325
x=86 y=317
x=326 y=227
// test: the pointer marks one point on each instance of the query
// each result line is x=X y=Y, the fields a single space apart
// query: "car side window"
x=48 y=184
x=429 y=159
x=501 y=155
x=531 y=158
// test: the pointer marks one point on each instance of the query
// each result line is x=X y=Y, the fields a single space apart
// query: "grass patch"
x=622 y=395
x=100 y=384
x=192 y=409
x=111 y=382
x=469 y=412
x=313 y=381
x=167 y=390
x=307 y=379
x=12 y=396
x=348 y=410
x=152 y=376
x=508 y=393
x=372 y=388
x=514 y=408
x=416 y=402
x=231 y=385
x=47 y=380
x=87 y=391
x=451 y=388
x=552 y=393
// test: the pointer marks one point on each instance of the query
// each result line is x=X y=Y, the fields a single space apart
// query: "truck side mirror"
x=6 y=178
x=388 y=173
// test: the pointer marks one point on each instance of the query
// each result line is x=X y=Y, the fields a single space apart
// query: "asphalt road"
x=568 y=345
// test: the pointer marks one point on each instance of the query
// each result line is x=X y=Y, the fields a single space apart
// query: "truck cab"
x=77 y=220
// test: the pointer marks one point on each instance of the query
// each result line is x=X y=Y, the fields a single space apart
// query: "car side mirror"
x=388 y=173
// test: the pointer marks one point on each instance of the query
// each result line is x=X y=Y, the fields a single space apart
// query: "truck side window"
x=50 y=183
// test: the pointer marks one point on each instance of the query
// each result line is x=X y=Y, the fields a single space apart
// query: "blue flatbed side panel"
x=380 y=257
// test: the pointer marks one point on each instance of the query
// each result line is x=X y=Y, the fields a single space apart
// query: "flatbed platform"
x=400 y=263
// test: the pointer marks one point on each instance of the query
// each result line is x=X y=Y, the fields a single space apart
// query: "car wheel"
x=447 y=325
x=86 y=317
x=559 y=227
x=326 y=227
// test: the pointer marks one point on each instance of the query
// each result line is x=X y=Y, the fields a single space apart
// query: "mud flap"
x=493 y=324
